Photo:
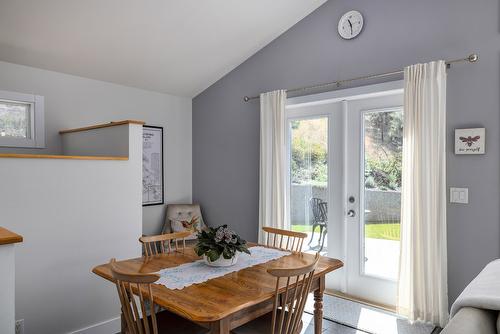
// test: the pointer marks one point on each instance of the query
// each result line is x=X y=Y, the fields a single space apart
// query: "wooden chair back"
x=289 y=307
x=284 y=239
x=164 y=243
x=135 y=311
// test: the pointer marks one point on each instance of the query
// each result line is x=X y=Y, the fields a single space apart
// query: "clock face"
x=350 y=24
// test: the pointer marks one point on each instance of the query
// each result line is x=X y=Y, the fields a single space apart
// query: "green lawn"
x=374 y=231
x=303 y=228
x=383 y=231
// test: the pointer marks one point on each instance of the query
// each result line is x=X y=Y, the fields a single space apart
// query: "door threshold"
x=384 y=307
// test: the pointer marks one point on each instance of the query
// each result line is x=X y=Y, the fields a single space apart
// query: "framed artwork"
x=152 y=165
x=470 y=141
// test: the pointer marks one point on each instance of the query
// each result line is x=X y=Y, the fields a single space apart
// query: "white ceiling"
x=179 y=47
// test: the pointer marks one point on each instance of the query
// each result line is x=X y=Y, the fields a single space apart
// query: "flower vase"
x=221 y=261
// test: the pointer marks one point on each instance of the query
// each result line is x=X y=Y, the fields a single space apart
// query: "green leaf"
x=213 y=255
x=198 y=250
x=244 y=249
x=206 y=245
x=228 y=253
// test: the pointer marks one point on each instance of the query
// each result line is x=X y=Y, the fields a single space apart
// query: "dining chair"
x=284 y=239
x=164 y=243
x=288 y=306
x=138 y=307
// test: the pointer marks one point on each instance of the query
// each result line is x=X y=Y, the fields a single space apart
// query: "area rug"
x=366 y=318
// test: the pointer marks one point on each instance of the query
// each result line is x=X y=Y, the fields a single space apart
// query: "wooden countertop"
x=104 y=125
x=76 y=157
x=8 y=237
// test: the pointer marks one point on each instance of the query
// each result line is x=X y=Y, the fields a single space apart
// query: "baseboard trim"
x=385 y=307
x=110 y=326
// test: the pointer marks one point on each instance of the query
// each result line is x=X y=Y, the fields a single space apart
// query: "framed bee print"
x=152 y=165
x=470 y=141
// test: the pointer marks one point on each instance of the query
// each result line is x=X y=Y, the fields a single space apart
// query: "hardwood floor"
x=329 y=327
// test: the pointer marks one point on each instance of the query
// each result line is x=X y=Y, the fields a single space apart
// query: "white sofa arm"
x=470 y=320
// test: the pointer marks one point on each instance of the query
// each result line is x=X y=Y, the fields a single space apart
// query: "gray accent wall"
x=397 y=33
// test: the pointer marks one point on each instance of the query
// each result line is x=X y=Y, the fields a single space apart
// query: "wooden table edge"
x=8 y=237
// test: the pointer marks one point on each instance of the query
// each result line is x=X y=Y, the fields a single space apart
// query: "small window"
x=21 y=120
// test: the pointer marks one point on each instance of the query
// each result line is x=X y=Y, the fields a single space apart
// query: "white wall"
x=72 y=101
x=7 y=282
x=73 y=215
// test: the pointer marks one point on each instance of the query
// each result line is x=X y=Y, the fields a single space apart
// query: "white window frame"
x=37 y=120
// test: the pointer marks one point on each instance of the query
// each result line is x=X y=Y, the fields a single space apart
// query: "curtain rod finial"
x=246 y=99
x=473 y=58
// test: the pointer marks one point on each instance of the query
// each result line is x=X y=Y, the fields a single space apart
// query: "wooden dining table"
x=224 y=303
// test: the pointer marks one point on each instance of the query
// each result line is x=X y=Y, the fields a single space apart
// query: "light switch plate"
x=459 y=195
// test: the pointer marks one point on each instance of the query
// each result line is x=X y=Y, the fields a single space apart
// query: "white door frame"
x=348 y=94
x=367 y=285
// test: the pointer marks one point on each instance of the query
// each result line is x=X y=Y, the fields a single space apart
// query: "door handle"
x=351 y=213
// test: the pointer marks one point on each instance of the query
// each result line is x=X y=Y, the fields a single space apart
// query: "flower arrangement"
x=214 y=242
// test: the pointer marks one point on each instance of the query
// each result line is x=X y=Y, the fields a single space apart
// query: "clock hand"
x=350 y=24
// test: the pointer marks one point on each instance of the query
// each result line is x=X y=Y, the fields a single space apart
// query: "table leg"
x=220 y=327
x=318 y=306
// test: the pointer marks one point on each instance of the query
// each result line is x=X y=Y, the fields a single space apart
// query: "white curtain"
x=423 y=288
x=272 y=203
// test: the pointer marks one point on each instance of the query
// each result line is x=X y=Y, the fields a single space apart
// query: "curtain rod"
x=472 y=58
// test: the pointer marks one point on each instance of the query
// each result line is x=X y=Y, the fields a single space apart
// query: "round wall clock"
x=350 y=24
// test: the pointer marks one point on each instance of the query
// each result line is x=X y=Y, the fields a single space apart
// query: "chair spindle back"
x=135 y=311
x=284 y=239
x=289 y=307
x=164 y=243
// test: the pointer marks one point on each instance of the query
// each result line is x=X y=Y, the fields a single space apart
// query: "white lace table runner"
x=198 y=272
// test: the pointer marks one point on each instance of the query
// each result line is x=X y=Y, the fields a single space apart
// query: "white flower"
x=219 y=235
x=225 y=234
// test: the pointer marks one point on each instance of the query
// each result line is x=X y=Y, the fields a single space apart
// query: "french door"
x=344 y=172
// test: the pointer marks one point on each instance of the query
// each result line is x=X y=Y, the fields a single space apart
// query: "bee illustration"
x=469 y=140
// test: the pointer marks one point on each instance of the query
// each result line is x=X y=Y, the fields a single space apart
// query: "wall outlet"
x=20 y=326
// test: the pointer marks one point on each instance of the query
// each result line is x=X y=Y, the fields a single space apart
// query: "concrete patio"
x=382 y=256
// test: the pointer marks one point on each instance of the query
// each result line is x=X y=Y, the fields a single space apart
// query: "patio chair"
x=319 y=209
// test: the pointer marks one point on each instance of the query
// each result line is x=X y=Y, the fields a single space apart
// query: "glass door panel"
x=308 y=188
x=383 y=145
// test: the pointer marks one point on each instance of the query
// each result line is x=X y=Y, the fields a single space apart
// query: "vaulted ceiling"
x=179 y=47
